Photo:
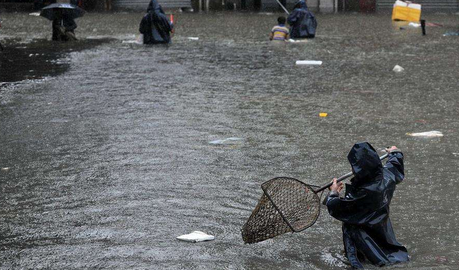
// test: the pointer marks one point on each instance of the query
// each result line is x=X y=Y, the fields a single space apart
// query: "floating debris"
x=427 y=134
x=451 y=34
x=308 y=62
x=398 y=68
x=193 y=38
x=323 y=114
x=226 y=141
x=297 y=40
x=196 y=236
x=5 y=169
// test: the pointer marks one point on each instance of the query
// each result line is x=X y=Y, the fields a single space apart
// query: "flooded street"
x=105 y=145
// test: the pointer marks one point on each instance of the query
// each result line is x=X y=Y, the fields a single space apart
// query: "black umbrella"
x=69 y=10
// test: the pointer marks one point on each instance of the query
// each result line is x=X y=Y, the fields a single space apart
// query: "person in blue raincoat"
x=302 y=23
x=364 y=209
x=155 y=26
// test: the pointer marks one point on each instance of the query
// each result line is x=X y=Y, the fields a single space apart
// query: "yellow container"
x=406 y=11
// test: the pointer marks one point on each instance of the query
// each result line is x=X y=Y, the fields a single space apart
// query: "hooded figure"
x=364 y=210
x=303 y=24
x=155 y=26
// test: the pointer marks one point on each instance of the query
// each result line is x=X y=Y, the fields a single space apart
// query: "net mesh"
x=287 y=205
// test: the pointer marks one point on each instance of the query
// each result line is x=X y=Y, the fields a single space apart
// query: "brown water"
x=108 y=154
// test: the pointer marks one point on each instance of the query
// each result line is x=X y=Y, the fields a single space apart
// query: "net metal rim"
x=281 y=213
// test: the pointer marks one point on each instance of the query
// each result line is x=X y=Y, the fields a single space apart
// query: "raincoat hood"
x=154 y=6
x=301 y=4
x=365 y=163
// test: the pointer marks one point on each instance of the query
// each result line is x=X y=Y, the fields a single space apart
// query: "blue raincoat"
x=364 y=210
x=303 y=24
x=155 y=26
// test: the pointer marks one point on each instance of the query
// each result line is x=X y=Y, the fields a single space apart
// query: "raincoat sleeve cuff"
x=333 y=194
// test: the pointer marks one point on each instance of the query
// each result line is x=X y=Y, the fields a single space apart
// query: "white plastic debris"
x=5 y=169
x=414 y=24
x=398 y=68
x=34 y=14
x=297 y=40
x=193 y=38
x=226 y=141
x=309 y=62
x=196 y=236
x=427 y=134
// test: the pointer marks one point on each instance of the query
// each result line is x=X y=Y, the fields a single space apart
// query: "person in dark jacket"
x=155 y=26
x=364 y=210
x=302 y=23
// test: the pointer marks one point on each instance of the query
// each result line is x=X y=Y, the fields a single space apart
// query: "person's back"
x=279 y=32
x=155 y=26
x=364 y=210
x=302 y=22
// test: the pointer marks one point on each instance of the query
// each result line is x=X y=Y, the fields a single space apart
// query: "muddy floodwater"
x=106 y=153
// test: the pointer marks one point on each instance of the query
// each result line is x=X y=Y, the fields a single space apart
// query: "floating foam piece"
x=5 y=169
x=227 y=140
x=34 y=14
x=132 y=41
x=398 y=68
x=427 y=134
x=297 y=40
x=193 y=38
x=414 y=24
x=196 y=236
x=309 y=62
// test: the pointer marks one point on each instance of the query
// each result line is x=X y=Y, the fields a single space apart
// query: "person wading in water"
x=364 y=209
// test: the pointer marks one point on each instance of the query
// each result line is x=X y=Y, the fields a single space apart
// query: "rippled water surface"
x=105 y=151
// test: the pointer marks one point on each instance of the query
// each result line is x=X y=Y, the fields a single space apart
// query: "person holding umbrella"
x=63 y=17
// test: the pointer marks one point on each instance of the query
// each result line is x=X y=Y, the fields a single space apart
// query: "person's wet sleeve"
x=143 y=25
x=293 y=17
x=395 y=165
x=348 y=210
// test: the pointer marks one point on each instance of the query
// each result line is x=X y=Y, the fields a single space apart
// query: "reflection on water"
x=110 y=159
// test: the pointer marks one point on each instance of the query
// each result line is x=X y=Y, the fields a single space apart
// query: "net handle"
x=347 y=175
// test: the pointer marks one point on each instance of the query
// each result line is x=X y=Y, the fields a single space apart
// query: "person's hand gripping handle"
x=336 y=187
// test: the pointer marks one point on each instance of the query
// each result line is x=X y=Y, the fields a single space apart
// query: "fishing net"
x=287 y=205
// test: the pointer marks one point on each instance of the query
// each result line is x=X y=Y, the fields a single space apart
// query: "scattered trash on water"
x=193 y=38
x=398 y=68
x=5 y=169
x=226 y=141
x=427 y=134
x=323 y=114
x=308 y=62
x=196 y=236
x=451 y=34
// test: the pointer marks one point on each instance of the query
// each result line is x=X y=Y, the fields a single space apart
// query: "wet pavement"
x=106 y=154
